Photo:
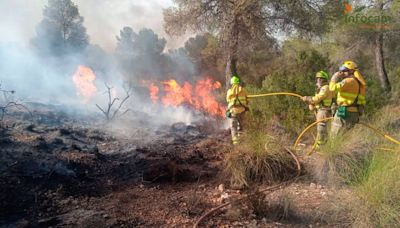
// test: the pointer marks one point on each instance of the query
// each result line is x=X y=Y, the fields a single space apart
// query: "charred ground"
x=63 y=169
x=52 y=161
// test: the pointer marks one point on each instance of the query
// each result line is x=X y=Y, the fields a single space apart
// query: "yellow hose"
x=274 y=94
x=325 y=119
x=386 y=136
x=387 y=149
x=308 y=128
x=381 y=133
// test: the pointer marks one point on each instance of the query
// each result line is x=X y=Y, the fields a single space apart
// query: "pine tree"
x=61 y=31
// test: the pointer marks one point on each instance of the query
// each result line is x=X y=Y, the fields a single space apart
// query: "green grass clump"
x=346 y=158
x=369 y=165
x=378 y=194
x=378 y=191
x=343 y=159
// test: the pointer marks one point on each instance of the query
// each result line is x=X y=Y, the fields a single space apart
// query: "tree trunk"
x=228 y=72
x=233 y=40
x=380 y=63
x=379 y=60
x=230 y=69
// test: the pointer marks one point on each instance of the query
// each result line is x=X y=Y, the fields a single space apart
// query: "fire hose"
x=278 y=94
x=377 y=131
x=386 y=136
x=275 y=94
x=272 y=188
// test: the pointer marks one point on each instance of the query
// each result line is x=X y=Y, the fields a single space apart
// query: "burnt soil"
x=63 y=170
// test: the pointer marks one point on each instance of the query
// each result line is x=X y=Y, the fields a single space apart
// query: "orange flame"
x=205 y=99
x=198 y=96
x=153 y=92
x=175 y=94
x=83 y=80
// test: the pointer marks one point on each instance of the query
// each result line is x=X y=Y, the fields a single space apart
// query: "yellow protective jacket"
x=237 y=99
x=348 y=89
x=323 y=99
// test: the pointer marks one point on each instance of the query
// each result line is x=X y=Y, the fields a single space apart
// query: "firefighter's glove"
x=307 y=99
x=336 y=77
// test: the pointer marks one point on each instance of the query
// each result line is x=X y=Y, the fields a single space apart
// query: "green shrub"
x=289 y=112
x=394 y=78
x=296 y=75
x=376 y=97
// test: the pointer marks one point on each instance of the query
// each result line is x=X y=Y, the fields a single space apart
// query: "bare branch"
x=4 y=109
x=10 y=103
x=105 y=113
x=108 y=113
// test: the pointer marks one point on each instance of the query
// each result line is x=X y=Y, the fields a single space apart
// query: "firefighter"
x=350 y=87
x=237 y=106
x=321 y=103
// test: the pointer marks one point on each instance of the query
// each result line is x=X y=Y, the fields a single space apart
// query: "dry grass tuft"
x=259 y=159
x=336 y=210
x=279 y=209
x=342 y=160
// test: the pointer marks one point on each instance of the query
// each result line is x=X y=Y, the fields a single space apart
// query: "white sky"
x=103 y=19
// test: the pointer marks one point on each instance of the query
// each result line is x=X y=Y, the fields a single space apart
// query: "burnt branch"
x=6 y=93
x=3 y=109
x=109 y=112
x=7 y=103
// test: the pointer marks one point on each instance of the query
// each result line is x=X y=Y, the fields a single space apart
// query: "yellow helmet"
x=349 y=65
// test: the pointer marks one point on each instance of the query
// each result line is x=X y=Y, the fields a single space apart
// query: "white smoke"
x=19 y=19
x=38 y=79
x=103 y=20
x=30 y=76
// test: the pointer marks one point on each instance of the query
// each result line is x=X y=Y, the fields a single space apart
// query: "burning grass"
x=199 y=96
x=259 y=159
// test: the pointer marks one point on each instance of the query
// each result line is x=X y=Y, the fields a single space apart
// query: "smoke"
x=31 y=77
x=108 y=17
x=34 y=77
x=48 y=79
x=103 y=20
x=18 y=20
